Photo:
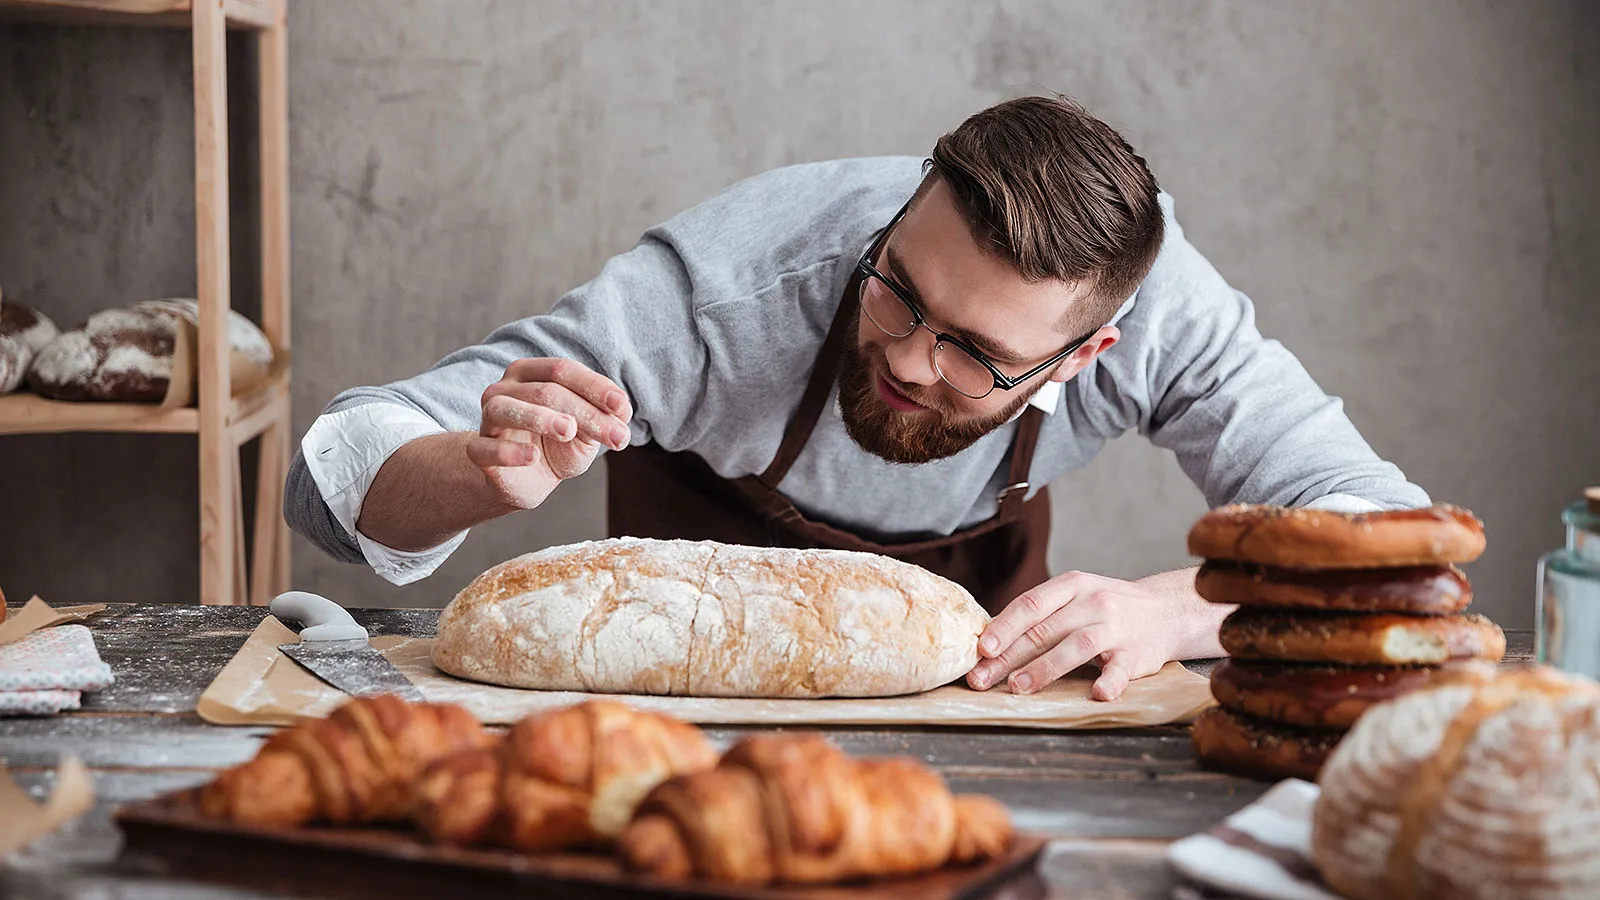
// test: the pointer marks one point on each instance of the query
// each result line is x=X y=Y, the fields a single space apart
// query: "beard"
x=904 y=437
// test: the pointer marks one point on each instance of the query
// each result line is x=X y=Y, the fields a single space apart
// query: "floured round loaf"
x=1484 y=785
x=117 y=355
x=24 y=331
x=700 y=618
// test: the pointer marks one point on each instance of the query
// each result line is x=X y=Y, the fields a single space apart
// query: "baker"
x=893 y=355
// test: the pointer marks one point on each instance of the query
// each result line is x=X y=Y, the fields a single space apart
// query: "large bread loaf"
x=707 y=619
x=1484 y=785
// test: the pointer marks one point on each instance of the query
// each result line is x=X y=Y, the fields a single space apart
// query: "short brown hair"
x=1058 y=193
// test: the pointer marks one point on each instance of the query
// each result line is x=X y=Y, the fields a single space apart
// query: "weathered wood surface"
x=1113 y=798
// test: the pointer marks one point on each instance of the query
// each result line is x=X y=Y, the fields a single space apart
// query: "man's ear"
x=1098 y=343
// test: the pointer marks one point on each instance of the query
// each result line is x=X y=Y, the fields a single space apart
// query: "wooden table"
x=1113 y=799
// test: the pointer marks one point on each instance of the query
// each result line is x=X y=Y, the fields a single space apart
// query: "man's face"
x=895 y=405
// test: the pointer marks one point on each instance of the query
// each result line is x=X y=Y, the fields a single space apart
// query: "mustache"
x=878 y=363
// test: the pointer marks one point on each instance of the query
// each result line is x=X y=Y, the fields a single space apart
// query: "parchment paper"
x=22 y=821
x=37 y=614
x=260 y=686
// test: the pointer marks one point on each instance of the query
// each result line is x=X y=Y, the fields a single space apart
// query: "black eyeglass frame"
x=1001 y=380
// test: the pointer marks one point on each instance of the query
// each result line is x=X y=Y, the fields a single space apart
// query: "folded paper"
x=261 y=686
x=22 y=821
x=37 y=614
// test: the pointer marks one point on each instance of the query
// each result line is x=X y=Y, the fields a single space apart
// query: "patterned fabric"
x=46 y=671
x=1261 y=851
x=37 y=703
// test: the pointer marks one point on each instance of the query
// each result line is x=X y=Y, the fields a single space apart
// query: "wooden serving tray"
x=362 y=863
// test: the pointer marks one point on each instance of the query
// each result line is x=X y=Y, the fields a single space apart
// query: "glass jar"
x=1567 y=611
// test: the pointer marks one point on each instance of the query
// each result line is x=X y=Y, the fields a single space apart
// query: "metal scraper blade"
x=353 y=667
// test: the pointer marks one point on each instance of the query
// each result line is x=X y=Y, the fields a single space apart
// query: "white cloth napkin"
x=1261 y=851
x=47 y=671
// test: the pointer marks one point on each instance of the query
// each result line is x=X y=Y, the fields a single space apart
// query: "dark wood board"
x=337 y=863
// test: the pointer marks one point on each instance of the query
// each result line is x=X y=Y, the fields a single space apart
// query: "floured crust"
x=1421 y=590
x=700 y=618
x=1365 y=640
x=1486 y=785
x=1315 y=696
x=24 y=331
x=1319 y=539
x=1256 y=748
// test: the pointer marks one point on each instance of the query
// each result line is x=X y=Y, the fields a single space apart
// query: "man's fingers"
x=1075 y=614
x=1029 y=609
x=491 y=453
x=578 y=378
x=1113 y=680
x=1076 y=649
x=592 y=423
x=506 y=413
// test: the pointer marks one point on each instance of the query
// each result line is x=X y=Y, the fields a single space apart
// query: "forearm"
x=1197 y=620
x=427 y=492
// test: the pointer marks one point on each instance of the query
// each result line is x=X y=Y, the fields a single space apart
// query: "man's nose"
x=911 y=357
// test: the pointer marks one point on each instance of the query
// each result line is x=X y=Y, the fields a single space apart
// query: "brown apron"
x=654 y=493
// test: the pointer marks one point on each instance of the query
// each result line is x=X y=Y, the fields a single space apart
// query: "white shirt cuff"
x=343 y=452
x=1343 y=503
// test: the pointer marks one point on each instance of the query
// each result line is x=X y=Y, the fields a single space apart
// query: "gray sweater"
x=711 y=324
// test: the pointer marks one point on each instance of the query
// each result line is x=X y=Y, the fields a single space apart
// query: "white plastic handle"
x=320 y=619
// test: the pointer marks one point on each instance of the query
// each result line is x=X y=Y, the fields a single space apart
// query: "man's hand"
x=544 y=422
x=1128 y=628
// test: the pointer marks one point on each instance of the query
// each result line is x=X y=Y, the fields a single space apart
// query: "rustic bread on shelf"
x=24 y=331
x=133 y=355
x=707 y=619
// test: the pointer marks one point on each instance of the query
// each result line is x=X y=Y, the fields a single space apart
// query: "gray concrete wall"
x=1404 y=188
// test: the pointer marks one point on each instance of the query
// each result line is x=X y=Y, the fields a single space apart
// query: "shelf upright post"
x=218 y=451
x=270 y=574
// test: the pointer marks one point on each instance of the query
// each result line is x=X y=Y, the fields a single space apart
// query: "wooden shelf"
x=221 y=420
x=241 y=14
x=248 y=415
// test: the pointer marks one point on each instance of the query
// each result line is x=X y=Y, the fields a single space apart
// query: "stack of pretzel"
x=1337 y=612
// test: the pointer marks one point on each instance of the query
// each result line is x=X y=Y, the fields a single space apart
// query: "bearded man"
x=892 y=355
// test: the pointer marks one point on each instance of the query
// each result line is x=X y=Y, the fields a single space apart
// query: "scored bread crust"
x=700 y=618
x=1483 y=785
x=1377 y=639
x=1422 y=590
x=1320 y=539
x=1315 y=696
x=1256 y=748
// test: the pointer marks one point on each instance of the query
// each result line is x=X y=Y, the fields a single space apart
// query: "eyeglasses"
x=965 y=368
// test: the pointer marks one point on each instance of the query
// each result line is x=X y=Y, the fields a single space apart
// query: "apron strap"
x=1023 y=444
x=818 y=388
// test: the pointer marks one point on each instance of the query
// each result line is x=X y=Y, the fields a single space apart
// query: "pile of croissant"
x=775 y=808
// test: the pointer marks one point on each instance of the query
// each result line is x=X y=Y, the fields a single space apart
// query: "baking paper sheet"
x=261 y=686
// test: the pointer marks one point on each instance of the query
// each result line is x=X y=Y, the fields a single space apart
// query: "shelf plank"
x=25 y=413
x=32 y=414
x=252 y=14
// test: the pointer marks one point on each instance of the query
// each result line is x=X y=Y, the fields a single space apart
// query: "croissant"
x=795 y=809
x=561 y=779
x=355 y=766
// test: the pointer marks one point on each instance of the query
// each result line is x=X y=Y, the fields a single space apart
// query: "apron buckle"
x=1011 y=489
